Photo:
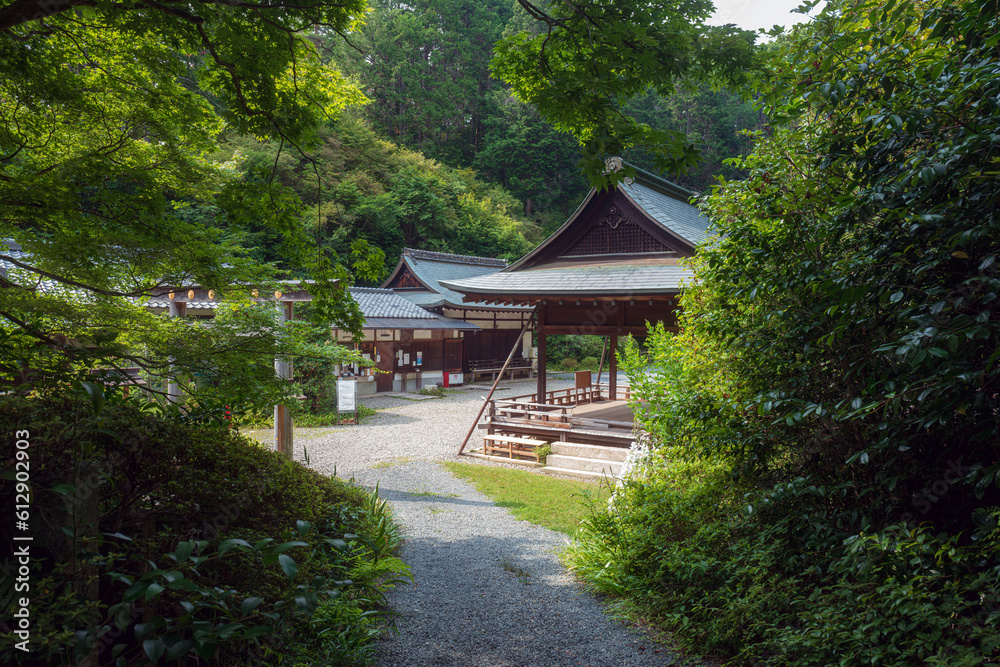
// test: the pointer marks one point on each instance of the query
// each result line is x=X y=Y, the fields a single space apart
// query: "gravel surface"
x=489 y=590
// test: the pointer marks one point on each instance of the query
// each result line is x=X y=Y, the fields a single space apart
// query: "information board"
x=347 y=396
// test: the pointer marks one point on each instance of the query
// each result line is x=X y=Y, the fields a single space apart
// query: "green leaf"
x=288 y=565
x=153 y=590
x=257 y=631
x=249 y=605
x=230 y=544
x=154 y=649
x=285 y=546
x=179 y=649
x=96 y=393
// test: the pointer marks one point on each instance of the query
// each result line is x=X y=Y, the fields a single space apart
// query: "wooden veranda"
x=516 y=427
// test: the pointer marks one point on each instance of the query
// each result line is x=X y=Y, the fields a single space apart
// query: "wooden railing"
x=555 y=411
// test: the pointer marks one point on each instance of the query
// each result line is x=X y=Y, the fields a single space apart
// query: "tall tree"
x=592 y=57
x=425 y=66
x=108 y=119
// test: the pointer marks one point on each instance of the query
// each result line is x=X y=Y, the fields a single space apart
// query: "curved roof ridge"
x=370 y=290
x=451 y=257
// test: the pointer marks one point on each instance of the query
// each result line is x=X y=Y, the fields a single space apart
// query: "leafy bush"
x=774 y=580
x=570 y=364
x=559 y=348
x=183 y=539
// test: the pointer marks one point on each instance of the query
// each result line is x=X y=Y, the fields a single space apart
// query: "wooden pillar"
x=282 y=413
x=541 y=367
x=613 y=369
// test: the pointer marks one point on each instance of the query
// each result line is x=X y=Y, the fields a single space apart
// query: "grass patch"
x=382 y=465
x=518 y=571
x=557 y=504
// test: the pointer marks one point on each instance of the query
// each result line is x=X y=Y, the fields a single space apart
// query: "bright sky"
x=753 y=14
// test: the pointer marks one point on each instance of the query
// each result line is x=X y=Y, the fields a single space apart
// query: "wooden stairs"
x=568 y=459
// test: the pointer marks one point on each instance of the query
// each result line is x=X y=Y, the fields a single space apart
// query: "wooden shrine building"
x=418 y=278
x=614 y=265
x=414 y=347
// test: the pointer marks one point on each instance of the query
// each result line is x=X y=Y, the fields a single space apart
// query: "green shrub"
x=787 y=577
x=570 y=364
x=170 y=539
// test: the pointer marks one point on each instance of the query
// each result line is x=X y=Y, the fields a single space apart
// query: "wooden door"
x=385 y=360
x=453 y=355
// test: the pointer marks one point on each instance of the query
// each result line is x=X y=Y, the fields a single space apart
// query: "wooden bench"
x=512 y=446
x=494 y=366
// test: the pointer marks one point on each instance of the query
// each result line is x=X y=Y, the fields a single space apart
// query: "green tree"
x=531 y=159
x=110 y=117
x=715 y=121
x=855 y=284
x=425 y=66
x=829 y=469
x=591 y=58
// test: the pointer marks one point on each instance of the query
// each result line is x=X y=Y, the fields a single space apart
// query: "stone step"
x=589 y=451
x=578 y=474
x=599 y=466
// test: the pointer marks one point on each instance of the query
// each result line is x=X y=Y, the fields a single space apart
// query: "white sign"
x=347 y=392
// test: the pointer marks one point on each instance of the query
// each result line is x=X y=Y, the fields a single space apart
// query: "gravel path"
x=489 y=590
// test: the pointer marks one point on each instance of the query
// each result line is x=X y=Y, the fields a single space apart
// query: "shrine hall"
x=613 y=266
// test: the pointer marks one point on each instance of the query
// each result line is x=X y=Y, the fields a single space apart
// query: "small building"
x=414 y=347
x=417 y=278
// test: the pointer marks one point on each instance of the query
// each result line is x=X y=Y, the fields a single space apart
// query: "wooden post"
x=494 y=387
x=541 y=368
x=600 y=366
x=613 y=370
x=282 y=413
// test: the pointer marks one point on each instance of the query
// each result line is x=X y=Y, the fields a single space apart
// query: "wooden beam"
x=591 y=330
x=493 y=389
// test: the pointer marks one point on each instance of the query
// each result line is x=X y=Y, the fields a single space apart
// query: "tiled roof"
x=384 y=309
x=12 y=249
x=537 y=274
x=610 y=279
x=457 y=259
x=375 y=302
x=191 y=305
x=680 y=217
x=422 y=298
x=433 y=267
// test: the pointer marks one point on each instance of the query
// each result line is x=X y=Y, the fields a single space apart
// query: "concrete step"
x=578 y=474
x=589 y=451
x=599 y=466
